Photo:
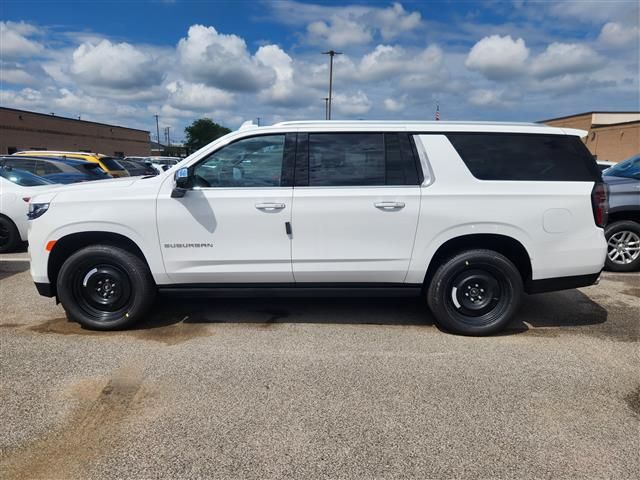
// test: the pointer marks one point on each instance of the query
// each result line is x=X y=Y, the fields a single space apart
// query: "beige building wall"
x=581 y=122
x=22 y=130
x=615 y=142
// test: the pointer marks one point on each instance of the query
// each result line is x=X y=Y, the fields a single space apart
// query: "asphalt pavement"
x=321 y=388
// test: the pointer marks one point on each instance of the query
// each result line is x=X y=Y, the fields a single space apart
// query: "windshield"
x=629 y=168
x=111 y=163
x=22 y=178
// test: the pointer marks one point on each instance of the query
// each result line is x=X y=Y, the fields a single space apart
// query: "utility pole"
x=326 y=108
x=157 y=128
x=258 y=119
x=331 y=53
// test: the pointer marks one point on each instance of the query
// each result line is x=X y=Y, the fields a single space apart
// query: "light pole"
x=326 y=108
x=331 y=53
x=157 y=128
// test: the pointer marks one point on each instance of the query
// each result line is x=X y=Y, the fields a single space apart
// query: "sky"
x=123 y=62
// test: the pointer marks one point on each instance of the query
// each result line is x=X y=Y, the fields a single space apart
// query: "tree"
x=201 y=132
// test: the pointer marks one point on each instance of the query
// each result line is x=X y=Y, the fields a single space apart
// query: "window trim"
x=288 y=161
x=301 y=175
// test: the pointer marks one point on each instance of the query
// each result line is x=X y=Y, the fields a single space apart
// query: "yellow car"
x=108 y=164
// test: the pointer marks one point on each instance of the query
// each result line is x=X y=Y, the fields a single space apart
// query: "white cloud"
x=615 y=34
x=14 y=42
x=497 y=57
x=16 y=76
x=285 y=91
x=393 y=105
x=488 y=98
x=342 y=26
x=115 y=65
x=221 y=61
x=351 y=105
x=339 y=32
x=563 y=58
x=197 y=96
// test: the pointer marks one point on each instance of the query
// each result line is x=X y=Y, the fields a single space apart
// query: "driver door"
x=231 y=227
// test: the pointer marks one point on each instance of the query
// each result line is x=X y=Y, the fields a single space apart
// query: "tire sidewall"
x=14 y=235
x=610 y=230
x=440 y=291
x=142 y=288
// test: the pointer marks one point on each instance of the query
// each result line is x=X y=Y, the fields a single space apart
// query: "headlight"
x=37 y=210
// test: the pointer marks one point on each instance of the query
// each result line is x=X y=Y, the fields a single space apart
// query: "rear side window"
x=111 y=163
x=513 y=156
x=359 y=159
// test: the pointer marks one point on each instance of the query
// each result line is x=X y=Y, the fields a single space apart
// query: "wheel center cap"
x=474 y=292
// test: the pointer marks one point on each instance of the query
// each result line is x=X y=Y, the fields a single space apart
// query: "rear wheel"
x=475 y=292
x=623 y=246
x=103 y=287
x=9 y=235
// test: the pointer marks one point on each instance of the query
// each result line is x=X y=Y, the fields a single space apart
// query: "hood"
x=611 y=180
x=91 y=186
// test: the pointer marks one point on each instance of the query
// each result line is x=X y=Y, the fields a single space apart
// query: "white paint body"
x=339 y=235
x=13 y=205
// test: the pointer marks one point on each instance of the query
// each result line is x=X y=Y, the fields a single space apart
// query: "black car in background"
x=623 y=229
x=137 y=169
x=57 y=170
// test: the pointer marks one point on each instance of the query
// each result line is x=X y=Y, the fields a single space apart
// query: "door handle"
x=389 y=205
x=270 y=207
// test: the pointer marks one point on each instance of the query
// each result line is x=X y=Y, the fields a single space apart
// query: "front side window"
x=630 y=168
x=250 y=162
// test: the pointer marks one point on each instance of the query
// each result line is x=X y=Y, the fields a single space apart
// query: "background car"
x=604 y=164
x=57 y=170
x=108 y=164
x=16 y=189
x=137 y=169
x=623 y=229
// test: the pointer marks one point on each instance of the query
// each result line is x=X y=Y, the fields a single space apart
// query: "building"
x=613 y=136
x=23 y=130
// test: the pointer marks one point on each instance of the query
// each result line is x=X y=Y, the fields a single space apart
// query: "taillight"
x=600 y=203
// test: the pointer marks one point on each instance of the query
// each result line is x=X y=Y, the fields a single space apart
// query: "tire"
x=623 y=246
x=9 y=235
x=458 y=300
x=103 y=287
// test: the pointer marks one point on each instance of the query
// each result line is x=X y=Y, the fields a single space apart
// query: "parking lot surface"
x=321 y=388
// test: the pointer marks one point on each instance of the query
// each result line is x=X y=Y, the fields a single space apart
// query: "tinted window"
x=111 y=163
x=352 y=159
x=22 y=178
x=22 y=164
x=250 y=162
x=630 y=168
x=512 y=156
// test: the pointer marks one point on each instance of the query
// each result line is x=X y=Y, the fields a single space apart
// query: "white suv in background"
x=470 y=215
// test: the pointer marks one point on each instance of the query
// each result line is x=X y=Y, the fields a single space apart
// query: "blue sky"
x=122 y=62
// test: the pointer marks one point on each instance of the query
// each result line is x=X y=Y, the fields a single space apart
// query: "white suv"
x=471 y=215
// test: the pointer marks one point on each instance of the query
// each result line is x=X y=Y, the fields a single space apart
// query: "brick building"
x=613 y=136
x=23 y=130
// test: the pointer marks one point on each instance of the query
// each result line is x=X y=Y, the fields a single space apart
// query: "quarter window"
x=250 y=162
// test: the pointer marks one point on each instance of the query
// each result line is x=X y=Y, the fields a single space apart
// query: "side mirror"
x=183 y=182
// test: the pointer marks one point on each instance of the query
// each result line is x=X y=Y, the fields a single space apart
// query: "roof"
x=48 y=115
x=419 y=126
x=604 y=125
x=588 y=113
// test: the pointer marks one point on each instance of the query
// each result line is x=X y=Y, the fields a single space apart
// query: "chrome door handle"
x=389 y=205
x=270 y=206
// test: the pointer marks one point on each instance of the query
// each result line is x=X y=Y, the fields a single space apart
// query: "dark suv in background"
x=623 y=228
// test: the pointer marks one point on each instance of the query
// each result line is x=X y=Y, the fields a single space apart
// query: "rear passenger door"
x=355 y=207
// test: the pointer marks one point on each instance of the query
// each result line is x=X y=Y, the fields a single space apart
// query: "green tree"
x=201 y=132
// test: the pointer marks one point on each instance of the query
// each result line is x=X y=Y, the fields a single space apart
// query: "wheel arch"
x=71 y=243
x=508 y=246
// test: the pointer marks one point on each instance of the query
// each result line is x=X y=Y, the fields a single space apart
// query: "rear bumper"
x=44 y=289
x=561 y=283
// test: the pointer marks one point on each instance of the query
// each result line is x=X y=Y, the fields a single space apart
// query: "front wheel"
x=103 y=287
x=475 y=292
x=9 y=235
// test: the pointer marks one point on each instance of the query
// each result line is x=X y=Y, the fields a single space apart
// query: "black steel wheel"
x=9 y=235
x=104 y=287
x=475 y=292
